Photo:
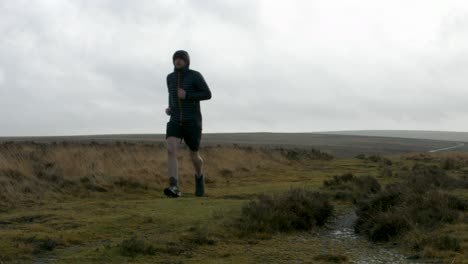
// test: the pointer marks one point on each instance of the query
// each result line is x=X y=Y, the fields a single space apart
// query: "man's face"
x=179 y=63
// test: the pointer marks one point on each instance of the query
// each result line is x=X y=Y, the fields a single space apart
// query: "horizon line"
x=248 y=132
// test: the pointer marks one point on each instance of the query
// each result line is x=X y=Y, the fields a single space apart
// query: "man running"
x=186 y=89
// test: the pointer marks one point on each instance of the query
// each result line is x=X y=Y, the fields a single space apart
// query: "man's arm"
x=168 y=91
x=202 y=92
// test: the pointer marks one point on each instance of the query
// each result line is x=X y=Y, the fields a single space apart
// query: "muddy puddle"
x=339 y=238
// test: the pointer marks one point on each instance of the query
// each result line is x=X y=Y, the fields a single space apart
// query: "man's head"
x=181 y=59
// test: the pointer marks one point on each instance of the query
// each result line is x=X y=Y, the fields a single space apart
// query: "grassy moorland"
x=102 y=203
x=338 y=145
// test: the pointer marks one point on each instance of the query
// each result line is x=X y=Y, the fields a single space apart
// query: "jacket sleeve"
x=168 y=91
x=202 y=91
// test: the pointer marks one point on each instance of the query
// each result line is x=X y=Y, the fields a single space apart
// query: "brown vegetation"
x=295 y=209
x=30 y=170
x=419 y=204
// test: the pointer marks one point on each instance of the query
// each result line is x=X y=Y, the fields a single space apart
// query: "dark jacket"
x=187 y=111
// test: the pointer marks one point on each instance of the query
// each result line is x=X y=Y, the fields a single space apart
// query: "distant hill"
x=418 y=134
x=339 y=145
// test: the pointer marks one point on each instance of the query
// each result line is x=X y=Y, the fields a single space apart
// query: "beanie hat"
x=183 y=55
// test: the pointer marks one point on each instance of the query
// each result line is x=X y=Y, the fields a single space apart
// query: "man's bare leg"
x=171 y=143
x=197 y=162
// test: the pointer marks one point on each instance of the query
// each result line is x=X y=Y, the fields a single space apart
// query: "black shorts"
x=191 y=134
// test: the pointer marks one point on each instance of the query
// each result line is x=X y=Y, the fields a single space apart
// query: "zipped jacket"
x=187 y=111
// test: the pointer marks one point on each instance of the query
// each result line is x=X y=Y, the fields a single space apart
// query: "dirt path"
x=459 y=145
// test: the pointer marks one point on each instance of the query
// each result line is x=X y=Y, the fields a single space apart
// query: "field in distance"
x=338 y=145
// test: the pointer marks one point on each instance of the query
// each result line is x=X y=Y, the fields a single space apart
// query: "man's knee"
x=171 y=146
x=195 y=155
x=171 y=151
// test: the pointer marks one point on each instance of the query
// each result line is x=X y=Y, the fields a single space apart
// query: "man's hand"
x=181 y=93
x=168 y=111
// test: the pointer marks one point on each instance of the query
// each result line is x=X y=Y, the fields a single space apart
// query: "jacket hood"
x=183 y=55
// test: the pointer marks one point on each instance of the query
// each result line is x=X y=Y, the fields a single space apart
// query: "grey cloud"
x=71 y=67
x=242 y=12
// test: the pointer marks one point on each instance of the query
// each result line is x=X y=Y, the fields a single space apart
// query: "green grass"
x=94 y=228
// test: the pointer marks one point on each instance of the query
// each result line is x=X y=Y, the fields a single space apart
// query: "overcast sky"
x=99 y=67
